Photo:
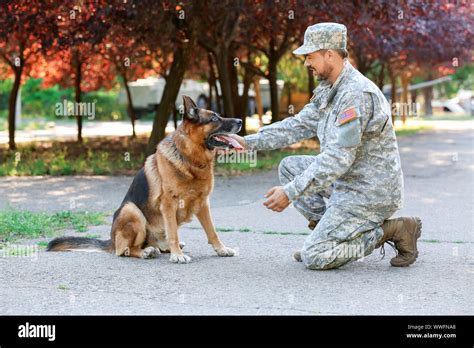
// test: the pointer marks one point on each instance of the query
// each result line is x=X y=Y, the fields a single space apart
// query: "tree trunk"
x=244 y=101
x=12 y=107
x=393 y=92
x=216 y=90
x=170 y=93
x=211 y=80
x=234 y=88
x=428 y=96
x=77 y=91
x=258 y=99
x=224 y=80
x=272 y=79
x=175 y=116
x=381 y=77
x=218 y=98
x=311 y=84
x=131 y=111
x=404 y=98
x=288 y=94
x=413 y=97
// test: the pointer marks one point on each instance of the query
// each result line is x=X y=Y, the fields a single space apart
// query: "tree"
x=173 y=41
x=217 y=31
x=26 y=28
x=130 y=58
x=272 y=28
x=74 y=60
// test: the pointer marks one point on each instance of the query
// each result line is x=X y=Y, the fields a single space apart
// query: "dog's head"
x=209 y=127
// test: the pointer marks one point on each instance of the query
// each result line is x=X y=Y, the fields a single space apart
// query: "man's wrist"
x=290 y=191
x=251 y=141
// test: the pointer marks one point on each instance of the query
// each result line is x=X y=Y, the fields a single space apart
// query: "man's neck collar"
x=345 y=67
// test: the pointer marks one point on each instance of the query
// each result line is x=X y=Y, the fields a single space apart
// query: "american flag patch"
x=348 y=115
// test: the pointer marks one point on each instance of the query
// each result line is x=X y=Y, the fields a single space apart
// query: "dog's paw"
x=226 y=252
x=150 y=253
x=165 y=248
x=180 y=258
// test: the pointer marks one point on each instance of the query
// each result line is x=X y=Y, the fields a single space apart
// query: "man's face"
x=319 y=64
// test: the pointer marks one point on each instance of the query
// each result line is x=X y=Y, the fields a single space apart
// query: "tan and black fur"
x=174 y=184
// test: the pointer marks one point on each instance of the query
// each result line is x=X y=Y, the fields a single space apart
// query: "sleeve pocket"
x=349 y=134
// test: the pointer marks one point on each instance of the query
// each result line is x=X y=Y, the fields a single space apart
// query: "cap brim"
x=304 y=49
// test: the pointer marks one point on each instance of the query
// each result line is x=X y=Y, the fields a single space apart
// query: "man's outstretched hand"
x=277 y=200
x=239 y=139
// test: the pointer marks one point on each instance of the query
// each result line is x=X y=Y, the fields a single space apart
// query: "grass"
x=42 y=244
x=285 y=233
x=27 y=125
x=96 y=156
x=443 y=241
x=16 y=224
x=246 y=230
x=448 y=117
x=411 y=129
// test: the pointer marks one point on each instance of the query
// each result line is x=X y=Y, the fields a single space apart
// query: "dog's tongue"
x=229 y=141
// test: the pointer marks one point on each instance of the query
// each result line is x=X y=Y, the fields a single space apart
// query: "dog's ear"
x=190 y=109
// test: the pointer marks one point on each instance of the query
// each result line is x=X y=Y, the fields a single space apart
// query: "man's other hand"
x=277 y=200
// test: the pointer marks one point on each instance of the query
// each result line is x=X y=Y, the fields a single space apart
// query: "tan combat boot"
x=312 y=225
x=404 y=232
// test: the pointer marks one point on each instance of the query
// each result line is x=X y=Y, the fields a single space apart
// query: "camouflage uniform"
x=358 y=169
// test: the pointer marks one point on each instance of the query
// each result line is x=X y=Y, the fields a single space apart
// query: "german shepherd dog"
x=174 y=184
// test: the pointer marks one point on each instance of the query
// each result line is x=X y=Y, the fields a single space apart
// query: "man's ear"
x=190 y=109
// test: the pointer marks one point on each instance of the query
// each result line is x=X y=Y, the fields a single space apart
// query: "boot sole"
x=417 y=235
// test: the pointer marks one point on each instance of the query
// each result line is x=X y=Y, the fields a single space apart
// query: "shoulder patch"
x=347 y=116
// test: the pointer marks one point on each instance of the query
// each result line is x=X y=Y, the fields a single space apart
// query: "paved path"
x=262 y=279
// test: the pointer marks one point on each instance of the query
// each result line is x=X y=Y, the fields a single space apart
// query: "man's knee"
x=291 y=166
x=284 y=172
x=320 y=261
x=328 y=254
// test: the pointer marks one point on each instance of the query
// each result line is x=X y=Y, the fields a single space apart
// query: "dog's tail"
x=84 y=244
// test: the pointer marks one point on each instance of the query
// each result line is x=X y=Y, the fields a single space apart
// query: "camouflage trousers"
x=340 y=236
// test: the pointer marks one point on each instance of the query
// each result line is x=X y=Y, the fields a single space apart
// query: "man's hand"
x=239 y=139
x=277 y=199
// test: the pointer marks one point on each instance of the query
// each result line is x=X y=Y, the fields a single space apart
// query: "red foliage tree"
x=74 y=60
x=26 y=28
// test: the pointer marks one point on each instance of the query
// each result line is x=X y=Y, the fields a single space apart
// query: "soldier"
x=358 y=169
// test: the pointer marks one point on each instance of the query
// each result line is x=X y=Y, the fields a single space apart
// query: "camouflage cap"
x=323 y=36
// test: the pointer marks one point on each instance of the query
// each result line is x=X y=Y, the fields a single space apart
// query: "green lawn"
x=96 y=156
x=15 y=224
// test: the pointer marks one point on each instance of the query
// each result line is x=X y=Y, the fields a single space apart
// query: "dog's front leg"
x=204 y=217
x=168 y=209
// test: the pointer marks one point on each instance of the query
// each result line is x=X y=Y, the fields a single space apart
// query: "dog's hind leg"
x=204 y=217
x=130 y=233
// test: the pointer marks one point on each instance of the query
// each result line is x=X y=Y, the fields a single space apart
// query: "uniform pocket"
x=348 y=134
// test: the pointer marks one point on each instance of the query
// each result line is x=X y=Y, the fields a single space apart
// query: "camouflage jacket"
x=359 y=152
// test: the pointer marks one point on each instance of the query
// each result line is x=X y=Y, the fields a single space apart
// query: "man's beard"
x=324 y=75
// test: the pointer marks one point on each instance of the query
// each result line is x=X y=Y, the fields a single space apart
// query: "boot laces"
x=382 y=249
